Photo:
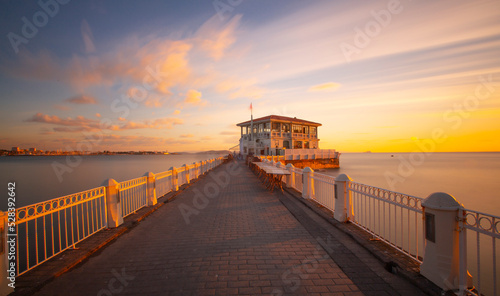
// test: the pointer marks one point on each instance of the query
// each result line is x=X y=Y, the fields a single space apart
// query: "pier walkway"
x=234 y=238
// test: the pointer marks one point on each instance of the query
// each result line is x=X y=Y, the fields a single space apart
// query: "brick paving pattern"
x=239 y=240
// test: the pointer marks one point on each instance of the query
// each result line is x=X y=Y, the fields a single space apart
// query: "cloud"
x=240 y=88
x=187 y=136
x=97 y=115
x=329 y=86
x=81 y=123
x=214 y=39
x=82 y=99
x=193 y=98
x=176 y=112
x=62 y=107
x=87 y=36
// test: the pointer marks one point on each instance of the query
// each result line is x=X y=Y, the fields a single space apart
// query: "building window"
x=313 y=130
x=306 y=145
x=276 y=127
x=266 y=127
x=305 y=130
x=285 y=127
x=297 y=128
x=298 y=145
x=286 y=144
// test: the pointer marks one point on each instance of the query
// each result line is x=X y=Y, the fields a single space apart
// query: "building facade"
x=272 y=134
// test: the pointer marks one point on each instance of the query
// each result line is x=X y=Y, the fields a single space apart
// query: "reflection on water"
x=36 y=179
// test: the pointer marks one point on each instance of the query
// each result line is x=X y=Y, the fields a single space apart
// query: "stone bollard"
x=151 y=189
x=290 y=179
x=186 y=173
x=442 y=235
x=307 y=183
x=343 y=199
x=196 y=172
x=7 y=273
x=175 y=179
x=113 y=203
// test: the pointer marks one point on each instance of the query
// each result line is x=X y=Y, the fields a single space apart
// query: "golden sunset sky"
x=381 y=76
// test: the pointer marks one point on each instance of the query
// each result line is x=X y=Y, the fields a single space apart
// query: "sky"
x=380 y=76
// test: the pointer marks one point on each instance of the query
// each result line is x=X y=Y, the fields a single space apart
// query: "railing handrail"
x=51 y=202
x=492 y=231
x=132 y=183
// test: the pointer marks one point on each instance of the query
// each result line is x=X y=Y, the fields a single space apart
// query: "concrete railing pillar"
x=7 y=273
x=151 y=189
x=343 y=199
x=186 y=173
x=196 y=172
x=113 y=203
x=290 y=179
x=307 y=183
x=175 y=179
x=442 y=214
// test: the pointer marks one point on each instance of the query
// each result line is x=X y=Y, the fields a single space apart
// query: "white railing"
x=483 y=231
x=323 y=190
x=297 y=154
x=390 y=216
x=296 y=182
x=163 y=183
x=133 y=195
x=48 y=228
x=397 y=219
x=182 y=175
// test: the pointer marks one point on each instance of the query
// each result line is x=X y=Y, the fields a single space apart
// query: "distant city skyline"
x=380 y=76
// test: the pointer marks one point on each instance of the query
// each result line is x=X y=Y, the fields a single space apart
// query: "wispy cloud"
x=81 y=123
x=329 y=86
x=215 y=38
x=82 y=99
x=62 y=107
x=88 y=37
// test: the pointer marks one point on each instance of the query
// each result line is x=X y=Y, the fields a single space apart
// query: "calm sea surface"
x=36 y=179
x=472 y=178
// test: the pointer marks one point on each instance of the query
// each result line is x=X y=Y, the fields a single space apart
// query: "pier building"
x=291 y=140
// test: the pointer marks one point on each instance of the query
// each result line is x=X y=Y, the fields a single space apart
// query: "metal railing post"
x=343 y=199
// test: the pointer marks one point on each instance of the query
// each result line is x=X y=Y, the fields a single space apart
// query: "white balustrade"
x=48 y=228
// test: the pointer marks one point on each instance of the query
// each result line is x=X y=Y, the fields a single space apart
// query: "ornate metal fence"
x=48 y=228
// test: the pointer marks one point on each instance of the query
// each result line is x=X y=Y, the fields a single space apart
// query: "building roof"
x=280 y=119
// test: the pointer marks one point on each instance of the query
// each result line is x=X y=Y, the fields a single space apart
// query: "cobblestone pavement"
x=228 y=235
